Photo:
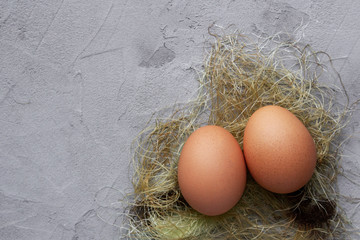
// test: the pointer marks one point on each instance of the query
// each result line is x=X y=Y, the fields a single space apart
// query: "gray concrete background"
x=79 y=79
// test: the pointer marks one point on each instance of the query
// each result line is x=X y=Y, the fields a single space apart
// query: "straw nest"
x=240 y=76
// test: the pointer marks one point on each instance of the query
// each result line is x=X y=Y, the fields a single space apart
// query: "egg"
x=279 y=150
x=211 y=170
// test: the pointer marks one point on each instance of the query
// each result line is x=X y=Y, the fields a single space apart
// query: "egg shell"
x=211 y=170
x=279 y=150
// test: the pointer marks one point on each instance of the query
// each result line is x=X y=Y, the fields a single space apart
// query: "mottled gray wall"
x=80 y=78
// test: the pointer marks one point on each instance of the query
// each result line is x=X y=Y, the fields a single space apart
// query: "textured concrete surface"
x=79 y=79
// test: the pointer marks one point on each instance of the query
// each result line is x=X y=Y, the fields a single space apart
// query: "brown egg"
x=211 y=170
x=279 y=150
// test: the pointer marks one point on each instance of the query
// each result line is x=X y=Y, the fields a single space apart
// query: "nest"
x=239 y=77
